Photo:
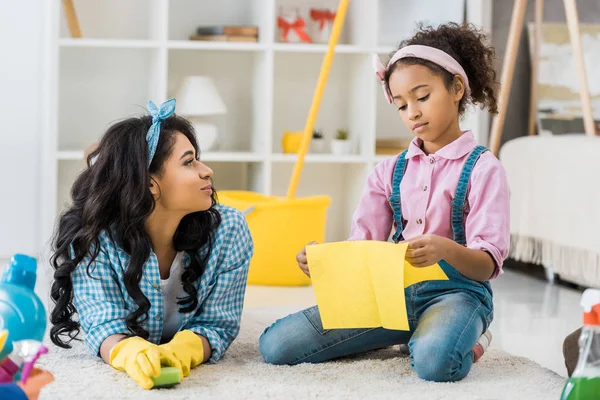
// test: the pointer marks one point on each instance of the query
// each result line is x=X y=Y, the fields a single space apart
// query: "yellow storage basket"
x=280 y=227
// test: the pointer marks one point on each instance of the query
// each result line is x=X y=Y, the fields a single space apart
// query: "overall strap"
x=459 y=202
x=395 y=197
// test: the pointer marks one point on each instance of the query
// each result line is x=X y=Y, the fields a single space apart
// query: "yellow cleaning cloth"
x=360 y=284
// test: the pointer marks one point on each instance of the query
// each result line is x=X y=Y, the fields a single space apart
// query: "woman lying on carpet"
x=446 y=196
x=145 y=255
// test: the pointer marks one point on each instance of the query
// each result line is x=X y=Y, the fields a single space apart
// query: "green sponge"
x=168 y=377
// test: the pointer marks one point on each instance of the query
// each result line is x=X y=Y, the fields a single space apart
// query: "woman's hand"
x=187 y=348
x=302 y=260
x=141 y=360
x=426 y=250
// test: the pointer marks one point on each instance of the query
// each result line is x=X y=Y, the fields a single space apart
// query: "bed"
x=555 y=204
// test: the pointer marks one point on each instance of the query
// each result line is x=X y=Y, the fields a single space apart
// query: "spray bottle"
x=585 y=382
x=22 y=314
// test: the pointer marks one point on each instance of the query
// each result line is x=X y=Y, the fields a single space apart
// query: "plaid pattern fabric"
x=102 y=301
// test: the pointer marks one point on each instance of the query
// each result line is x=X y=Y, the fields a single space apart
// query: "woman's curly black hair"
x=113 y=195
x=467 y=45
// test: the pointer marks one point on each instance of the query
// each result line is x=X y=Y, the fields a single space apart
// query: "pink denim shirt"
x=427 y=190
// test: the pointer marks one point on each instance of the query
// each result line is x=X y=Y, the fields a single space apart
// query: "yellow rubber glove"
x=5 y=349
x=187 y=347
x=141 y=360
x=3 y=337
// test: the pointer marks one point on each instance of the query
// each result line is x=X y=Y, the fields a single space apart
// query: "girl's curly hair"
x=467 y=45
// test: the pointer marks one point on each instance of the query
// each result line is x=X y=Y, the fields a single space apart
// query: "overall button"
x=155 y=286
x=419 y=221
x=425 y=188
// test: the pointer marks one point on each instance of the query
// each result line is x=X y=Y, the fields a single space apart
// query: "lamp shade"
x=198 y=96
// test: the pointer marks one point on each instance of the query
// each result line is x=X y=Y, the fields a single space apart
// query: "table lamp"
x=198 y=97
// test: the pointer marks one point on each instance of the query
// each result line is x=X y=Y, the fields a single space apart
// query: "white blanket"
x=555 y=203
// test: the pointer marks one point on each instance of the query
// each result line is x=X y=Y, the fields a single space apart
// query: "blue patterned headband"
x=158 y=115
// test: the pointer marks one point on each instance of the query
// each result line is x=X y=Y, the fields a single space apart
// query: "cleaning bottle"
x=22 y=313
x=20 y=362
x=584 y=384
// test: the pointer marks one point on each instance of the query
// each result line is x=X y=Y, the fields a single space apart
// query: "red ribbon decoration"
x=298 y=26
x=321 y=15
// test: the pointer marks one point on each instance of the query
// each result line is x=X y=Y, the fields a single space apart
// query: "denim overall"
x=456 y=281
x=445 y=317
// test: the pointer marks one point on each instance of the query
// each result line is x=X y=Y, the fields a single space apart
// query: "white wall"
x=479 y=12
x=21 y=45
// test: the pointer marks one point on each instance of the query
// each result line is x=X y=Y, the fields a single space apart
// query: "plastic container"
x=280 y=228
x=22 y=313
x=584 y=384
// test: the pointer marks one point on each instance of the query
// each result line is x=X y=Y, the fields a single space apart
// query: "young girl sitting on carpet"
x=145 y=255
x=446 y=196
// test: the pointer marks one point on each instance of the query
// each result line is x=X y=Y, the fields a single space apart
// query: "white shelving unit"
x=138 y=50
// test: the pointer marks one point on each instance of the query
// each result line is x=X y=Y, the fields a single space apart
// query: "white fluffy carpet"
x=242 y=374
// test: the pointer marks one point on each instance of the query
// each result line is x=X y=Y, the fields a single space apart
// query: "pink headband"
x=432 y=54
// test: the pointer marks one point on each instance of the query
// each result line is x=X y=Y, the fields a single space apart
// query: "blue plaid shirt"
x=102 y=303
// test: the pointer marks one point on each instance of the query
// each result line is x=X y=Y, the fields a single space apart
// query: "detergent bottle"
x=584 y=384
x=22 y=313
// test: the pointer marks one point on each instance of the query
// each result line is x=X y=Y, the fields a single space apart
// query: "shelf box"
x=242 y=83
x=99 y=87
x=344 y=101
x=185 y=16
x=116 y=19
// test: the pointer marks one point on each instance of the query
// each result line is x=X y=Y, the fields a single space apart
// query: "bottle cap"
x=21 y=271
x=590 y=301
